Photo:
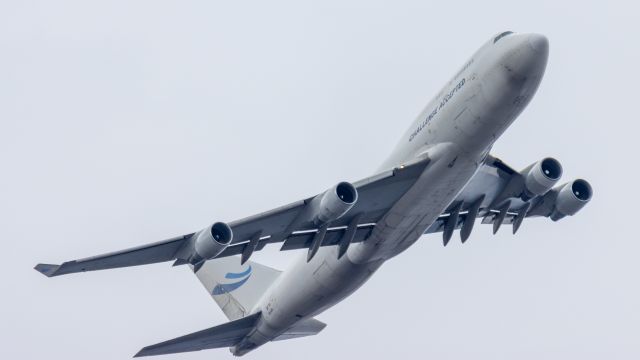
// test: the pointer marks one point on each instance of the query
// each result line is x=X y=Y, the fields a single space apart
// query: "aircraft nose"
x=539 y=43
x=526 y=55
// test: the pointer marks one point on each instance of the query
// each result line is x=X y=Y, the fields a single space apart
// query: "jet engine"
x=212 y=240
x=572 y=197
x=540 y=177
x=334 y=203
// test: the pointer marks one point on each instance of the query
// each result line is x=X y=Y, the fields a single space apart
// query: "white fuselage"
x=455 y=131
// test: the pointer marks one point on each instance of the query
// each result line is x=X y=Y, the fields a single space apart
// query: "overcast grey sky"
x=127 y=122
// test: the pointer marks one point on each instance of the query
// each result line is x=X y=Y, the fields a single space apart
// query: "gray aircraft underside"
x=439 y=178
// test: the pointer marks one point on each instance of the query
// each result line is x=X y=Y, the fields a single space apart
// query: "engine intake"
x=212 y=240
x=541 y=176
x=571 y=198
x=334 y=203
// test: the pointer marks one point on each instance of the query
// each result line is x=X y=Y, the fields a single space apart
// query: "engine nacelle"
x=572 y=197
x=212 y=240
x=334 y=203
x=541 y=176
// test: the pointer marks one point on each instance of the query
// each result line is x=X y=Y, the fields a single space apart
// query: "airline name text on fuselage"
x=448 y=96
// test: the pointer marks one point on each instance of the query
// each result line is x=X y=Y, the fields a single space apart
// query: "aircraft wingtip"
x=147 y=351
x=139 y=353
x=47 y=270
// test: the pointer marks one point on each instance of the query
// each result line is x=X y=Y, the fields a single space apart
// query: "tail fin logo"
x=227 y=288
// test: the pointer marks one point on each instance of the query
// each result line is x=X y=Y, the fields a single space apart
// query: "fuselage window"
x=506 y=33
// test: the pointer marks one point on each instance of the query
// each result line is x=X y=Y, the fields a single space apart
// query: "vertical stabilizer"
x=236 y=288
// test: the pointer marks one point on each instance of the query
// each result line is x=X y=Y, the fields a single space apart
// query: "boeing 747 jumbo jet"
x=439 y=178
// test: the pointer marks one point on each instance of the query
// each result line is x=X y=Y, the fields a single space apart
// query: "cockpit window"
x=506 y=33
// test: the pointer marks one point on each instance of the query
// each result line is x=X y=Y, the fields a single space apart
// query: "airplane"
x=440 y=177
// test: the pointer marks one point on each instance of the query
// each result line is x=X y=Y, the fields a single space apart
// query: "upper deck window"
x=506 y=33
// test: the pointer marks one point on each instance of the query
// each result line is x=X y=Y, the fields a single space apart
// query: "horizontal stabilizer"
x=142 y=255
x=303 y=328
x=225 y=335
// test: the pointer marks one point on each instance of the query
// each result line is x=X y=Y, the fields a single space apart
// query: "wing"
x=495 y=194
x=142 y=255
x=285 y=225
x=375 y=196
